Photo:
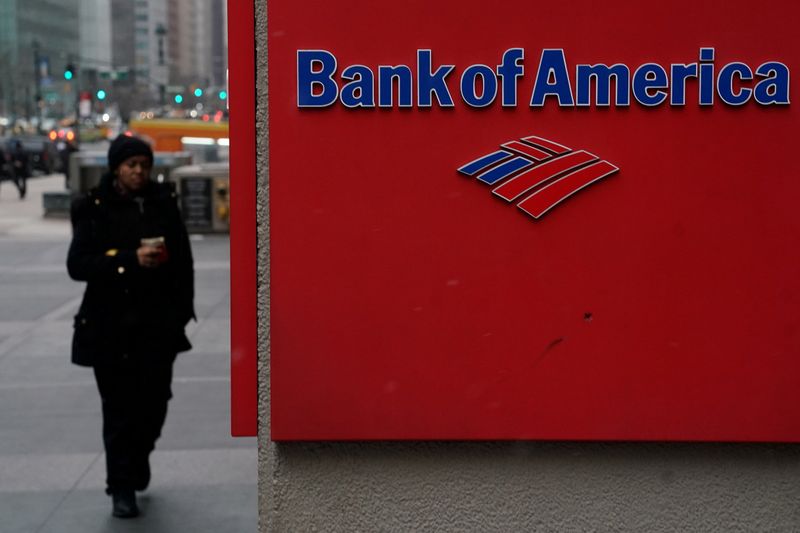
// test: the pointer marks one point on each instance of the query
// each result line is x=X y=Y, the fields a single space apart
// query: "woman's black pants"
x=135 y=393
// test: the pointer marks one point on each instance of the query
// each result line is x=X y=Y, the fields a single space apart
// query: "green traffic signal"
x=69 y=72
x=223 y=95
x=198 y=92
x=178 y=98
x=101 y=94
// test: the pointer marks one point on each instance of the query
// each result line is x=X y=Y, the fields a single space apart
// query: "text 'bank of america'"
x=357 y=86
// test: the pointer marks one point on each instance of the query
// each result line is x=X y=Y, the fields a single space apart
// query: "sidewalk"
x=51 y=455
x=23 y=218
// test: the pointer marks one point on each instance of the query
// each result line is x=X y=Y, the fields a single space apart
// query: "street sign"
x=85 y=108
x=115 y=74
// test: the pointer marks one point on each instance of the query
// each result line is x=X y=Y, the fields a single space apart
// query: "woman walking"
x=131 y=247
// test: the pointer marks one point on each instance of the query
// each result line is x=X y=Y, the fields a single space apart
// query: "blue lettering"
x=432 y=83
x=775 y=88
x=680 y=73
x=315 y=85
x=706 y=76
x=725 y=84
x=552 y=65
x=319 y=83
x=602 y=75
x=386 y=75
x=359 y=91
x=469 y=86
x=509 y=70
x=650 y=77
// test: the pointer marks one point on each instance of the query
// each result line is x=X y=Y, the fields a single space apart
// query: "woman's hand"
x=149 y=256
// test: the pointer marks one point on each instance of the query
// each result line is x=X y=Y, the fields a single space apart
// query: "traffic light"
x=69 y=71
x=101 y=94
x=178 y=98
x=198 y=92
x=223 y=95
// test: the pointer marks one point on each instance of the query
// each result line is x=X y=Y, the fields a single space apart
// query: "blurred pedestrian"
x=65 y=150
x=19 y=162
x=6 y=165
x=130 y=244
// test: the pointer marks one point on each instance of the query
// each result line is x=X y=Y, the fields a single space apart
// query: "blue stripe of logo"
x=470 y=169
x=504 y=170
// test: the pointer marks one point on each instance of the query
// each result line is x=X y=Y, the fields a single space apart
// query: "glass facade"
x=38 y=38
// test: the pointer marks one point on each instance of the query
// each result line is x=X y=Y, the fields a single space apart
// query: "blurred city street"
x=51 y=452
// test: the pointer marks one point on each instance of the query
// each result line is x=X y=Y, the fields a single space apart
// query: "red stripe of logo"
x=547 y=145
x=526 y=150
x=559 y=190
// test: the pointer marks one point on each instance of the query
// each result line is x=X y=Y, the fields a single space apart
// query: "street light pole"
x=161 y=31
x=37 y=76
x=76 y=89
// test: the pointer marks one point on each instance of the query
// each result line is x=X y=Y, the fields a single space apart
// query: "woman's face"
x=134 y=173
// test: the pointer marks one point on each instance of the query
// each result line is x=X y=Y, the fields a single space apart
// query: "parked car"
x=42 y=152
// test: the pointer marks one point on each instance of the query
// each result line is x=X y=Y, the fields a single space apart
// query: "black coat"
x=129 y=311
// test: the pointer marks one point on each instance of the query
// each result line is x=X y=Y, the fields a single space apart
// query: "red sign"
x=540 y=221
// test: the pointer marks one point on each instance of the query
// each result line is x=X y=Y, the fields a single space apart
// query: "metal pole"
x=37 y=76
x=77 y=88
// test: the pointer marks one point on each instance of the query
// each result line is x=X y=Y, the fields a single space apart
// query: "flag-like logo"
x=537 y=173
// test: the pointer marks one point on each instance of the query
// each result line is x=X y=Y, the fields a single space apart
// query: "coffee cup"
x=156 y=242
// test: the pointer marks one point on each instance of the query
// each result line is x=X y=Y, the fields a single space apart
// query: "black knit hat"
x=124 y=147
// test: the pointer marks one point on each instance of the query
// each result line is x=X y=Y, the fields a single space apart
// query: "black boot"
x=142 y=475
x=124 y=503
